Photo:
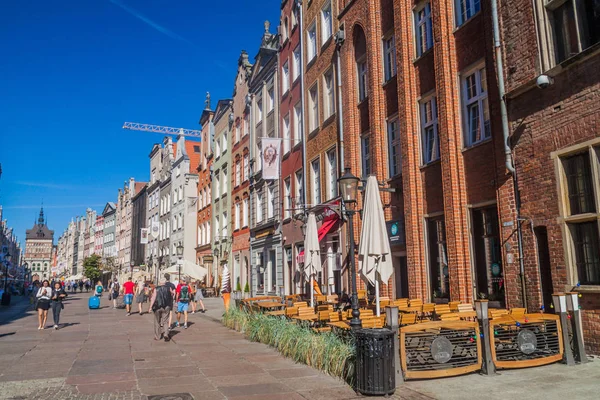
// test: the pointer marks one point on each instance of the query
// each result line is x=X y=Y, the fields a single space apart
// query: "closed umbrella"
x=312 y=256
x=374 y=253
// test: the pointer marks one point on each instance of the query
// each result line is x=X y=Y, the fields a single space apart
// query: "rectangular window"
x=270 y=202
x=259 y=207
x=225 y=182
x=389 y=58
x=217 y=185
x=237 y=133
x=271 y=97
x=311 y=42
x=438 y=258
x=285 y=78
x=260 y=272
x=273 y=270
x=365 y=151
x=315 y=170
x=424 y=30
x=244 y=213
x=286 y=134
x=224 y=140
x=326 y=23
x=465 y=10
x=238 y=173
x=217 y=149
x=580 y=188
x=332 y=174
x=576 y=26
x=299 y=190
x=246 y=167
x=246 y=126
x=363 y=82
x=313 y=108
x=217 y=228
x=475 y=107
x=296 y=64
x=586 y=244
x=394 y=151
x=297 y=131
x=287 y=193
x=225 y=226
x=259 y=108
x=328 y=95
x=236 y=221
x=429 y=130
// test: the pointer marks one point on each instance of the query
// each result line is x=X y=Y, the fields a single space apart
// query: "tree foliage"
x=92 y=267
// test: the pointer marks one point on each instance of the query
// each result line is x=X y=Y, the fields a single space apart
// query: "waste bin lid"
x=381 y=332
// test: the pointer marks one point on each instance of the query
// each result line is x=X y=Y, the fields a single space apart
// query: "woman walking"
x=140 y=294
x=198 y=297
x=58 y=295
x=43 y=303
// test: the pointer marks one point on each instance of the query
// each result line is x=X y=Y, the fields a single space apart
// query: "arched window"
x=360 y=55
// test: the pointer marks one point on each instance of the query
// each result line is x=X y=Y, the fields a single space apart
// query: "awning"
x=325 y=228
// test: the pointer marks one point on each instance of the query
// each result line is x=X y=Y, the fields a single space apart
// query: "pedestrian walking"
x=58 y=295
x=87 y=286
x=197 y=297
x=98 y=290
x=140 y=295
x=183 y=302
x=114 y=291
x=128 y=289
x=80 y=286
x=150 y=292
x=173 y=288
x=161 y=304
x=44 y=295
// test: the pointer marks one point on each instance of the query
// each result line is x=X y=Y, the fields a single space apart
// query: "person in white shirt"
x=44 y=295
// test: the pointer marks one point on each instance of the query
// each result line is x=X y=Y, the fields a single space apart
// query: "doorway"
x=400 y=277
x=489 y=274
x=541 y=236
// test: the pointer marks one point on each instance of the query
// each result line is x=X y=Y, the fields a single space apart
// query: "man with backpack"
x=183 y=301
x=114 y=291
x=161 y=304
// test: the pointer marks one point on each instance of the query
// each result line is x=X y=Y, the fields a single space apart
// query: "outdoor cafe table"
x=268 y=305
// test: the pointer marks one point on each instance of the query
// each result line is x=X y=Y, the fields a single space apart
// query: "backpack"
x=99 y=289
x=115 y=287
x=163 y=298
x=184 y=294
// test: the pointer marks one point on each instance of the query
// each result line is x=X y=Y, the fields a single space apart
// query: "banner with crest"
x=271 y=158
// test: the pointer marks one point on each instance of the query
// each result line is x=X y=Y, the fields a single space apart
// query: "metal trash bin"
x=375 y=373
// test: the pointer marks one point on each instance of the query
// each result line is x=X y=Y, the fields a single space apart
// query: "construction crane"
x=167 y=130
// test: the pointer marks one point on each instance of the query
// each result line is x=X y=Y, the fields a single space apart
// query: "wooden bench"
x=441 y=309
x=415 y=302
x=407 y=318
x=290 y=312
x=427 y=310
x=465 y=308
x=454 y=306
x=518 y=311
x=450 y=317
x=496 y=312
x=300 y=304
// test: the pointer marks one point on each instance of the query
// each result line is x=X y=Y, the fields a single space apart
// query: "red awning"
x=325 y=228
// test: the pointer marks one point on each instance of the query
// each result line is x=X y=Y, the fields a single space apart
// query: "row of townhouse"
x=478 y=116
x=9 y=244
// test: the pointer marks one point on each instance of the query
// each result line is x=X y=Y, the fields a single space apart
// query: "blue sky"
x=73 y=71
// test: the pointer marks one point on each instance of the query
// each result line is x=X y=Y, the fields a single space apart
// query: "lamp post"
x=6 y=295
x=179 y=249
x=573 y=307
x=560 y=306
x=349 y=190
x=481 y=308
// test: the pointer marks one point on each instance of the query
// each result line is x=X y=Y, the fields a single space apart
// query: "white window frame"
x=464 y=10
x=224 y=140
x=286 y=134
x=315 y=172
x=429 y=127
x=259 y=210
x=423 y=28
x=362 y=70
x=297 y=128
x=332 y=173
x=245 y=213
x=270 y=202
x=365 y=155
x=238 y=173
x=389 y=57
x=237 y=216
x=246 y=162
x=313 y=107
x=299 y=188
x=296 y=65
x=285 y=77
x=287 y=192
x=480 y=99
x=225 y=228
x=328 y=94
x=271 y=98
x=259 y=109
x=326 y=22
x=394 y=147
x=225 y=182
x=311 y=42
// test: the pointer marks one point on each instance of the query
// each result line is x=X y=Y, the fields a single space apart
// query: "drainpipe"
x=251 y=132
x=340 y=37
x=300 y=6
x=506 y=137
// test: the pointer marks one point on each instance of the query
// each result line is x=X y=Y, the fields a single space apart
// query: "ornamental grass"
x=326 y=351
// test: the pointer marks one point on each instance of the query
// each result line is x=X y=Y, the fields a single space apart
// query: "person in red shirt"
x=128 y=294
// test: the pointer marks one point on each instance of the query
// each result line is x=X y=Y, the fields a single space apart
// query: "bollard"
x=573 y=307
x=392 y=321
x=481 y=307
x=560 y=307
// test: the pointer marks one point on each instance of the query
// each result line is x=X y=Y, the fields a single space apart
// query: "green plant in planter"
x=238 y=287
x=247 y=288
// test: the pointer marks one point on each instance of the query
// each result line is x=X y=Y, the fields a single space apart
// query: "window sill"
x=478 y=144
x=389 y=81
x=313 y=133
x=465 y=23
x=587 y=289
x=285 y=94
x=311 y=63
x=328 y=120
x=423 y=55
x=326 y=43
x=363 y=102
x=429 y=164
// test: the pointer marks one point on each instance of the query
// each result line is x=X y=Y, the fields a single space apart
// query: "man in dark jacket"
x=161 y=304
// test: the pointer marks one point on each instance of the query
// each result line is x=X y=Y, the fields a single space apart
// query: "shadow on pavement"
x=6 y=334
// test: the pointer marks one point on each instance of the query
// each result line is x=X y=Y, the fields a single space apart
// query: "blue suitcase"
x=94 y=303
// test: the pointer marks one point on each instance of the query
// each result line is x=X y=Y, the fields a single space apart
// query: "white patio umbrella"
x=312 y=256
x=374 y=253
x=188 y=268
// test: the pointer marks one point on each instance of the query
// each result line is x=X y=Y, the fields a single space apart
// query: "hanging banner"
x=155 y=229
x=271 y=158
x=144 y=236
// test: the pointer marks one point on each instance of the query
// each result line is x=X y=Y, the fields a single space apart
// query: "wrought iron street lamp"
x=179 y=249
x=349 y=190
x=6 y=295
